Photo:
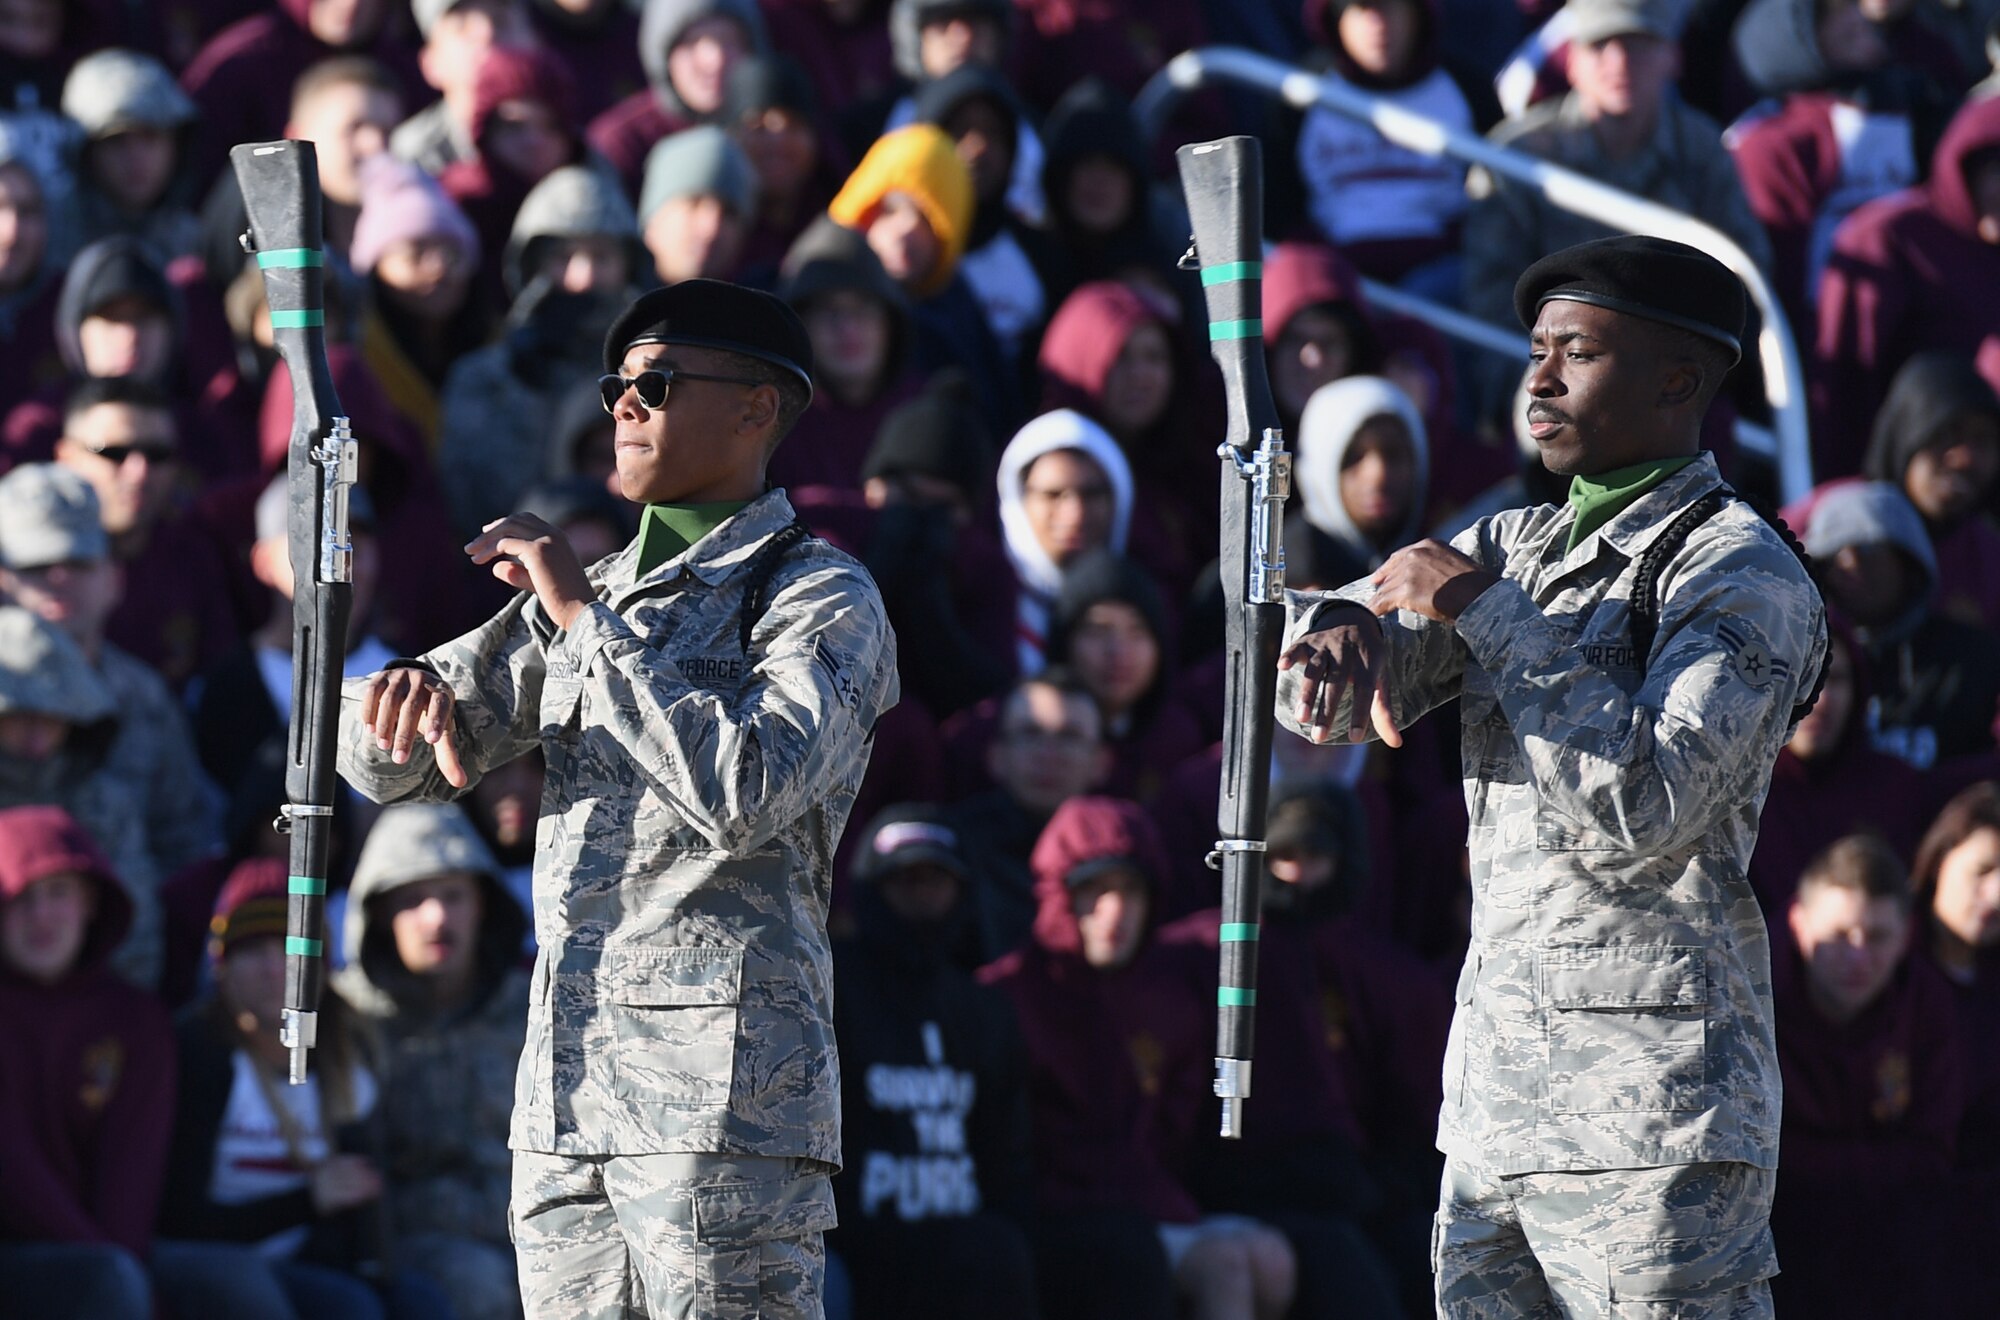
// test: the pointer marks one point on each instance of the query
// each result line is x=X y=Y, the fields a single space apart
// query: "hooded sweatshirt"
x=1929 y=392
x=1908 y=272
x=1092 y=119
x=27 y=311
x=1334 y=416
x=627 y=131
x=448 y=1092
x=1937 y=680
x=1038 y=577
x=1388 y=208
x=114 y=90
x=86 y=1065
x=1117 y=1058
x=833 y=436
x=606 y=43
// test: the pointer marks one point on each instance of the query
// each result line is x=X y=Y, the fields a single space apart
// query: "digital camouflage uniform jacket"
x=682 y=995
x=1615 y=1006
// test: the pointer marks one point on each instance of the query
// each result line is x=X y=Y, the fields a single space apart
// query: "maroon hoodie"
x=1908 y=272
x=850 y=64
x=86 y=1066
x=605 y=45
x=485 y=189
x=1851 y=786
x=242 y=79
x=1174 y=477
x=1301 y=275
x=1124 y=42
x=1118 y=1060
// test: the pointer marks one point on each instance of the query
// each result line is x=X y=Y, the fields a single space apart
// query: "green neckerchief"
x=1599 y=499
x=667 y=529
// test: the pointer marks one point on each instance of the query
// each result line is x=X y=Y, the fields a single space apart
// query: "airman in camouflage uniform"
x=706 y=724
x=1611 y=1083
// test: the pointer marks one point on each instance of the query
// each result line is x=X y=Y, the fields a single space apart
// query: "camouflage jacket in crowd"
x=682 y=995
x=1615 y=1006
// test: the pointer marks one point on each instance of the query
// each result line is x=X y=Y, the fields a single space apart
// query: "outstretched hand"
x=527 y=553
x=1344 y=660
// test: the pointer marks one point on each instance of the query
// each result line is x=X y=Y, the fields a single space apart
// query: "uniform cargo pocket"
x=1690 y=1269
x=674 y=1013
x=1626 y=1028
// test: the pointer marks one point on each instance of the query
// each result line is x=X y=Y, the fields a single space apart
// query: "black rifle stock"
x=280 y=182
x=1223 y=184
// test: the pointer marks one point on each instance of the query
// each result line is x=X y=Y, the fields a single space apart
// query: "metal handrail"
x=1784 y=381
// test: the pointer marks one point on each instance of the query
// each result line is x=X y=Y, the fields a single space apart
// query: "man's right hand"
x=1346 y=659
x=400 y=704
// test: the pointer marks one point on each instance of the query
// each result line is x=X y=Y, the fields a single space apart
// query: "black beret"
x=1639 y=275
x=714 y=314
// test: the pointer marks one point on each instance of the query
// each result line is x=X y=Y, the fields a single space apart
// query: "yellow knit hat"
x=921 y=163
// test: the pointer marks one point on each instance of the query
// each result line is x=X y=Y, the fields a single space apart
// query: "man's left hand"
x=1431 y=579
x=527 y=553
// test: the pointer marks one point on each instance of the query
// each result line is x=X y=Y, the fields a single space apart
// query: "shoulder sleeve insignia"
x=1753 y=660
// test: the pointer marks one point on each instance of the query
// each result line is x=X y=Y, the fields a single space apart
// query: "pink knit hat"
x=399 y=204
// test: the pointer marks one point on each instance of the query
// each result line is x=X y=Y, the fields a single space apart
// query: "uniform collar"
x=732 y=545
x=1635 y=527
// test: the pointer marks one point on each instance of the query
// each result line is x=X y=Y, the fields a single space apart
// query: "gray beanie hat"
x=696 y=162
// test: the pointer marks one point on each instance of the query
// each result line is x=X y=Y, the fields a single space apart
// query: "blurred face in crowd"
x=922 y=893
x=687 y=451
x=947 y=40
x=1851 y=943
x=427 y=277
x=901 y=236
x=924 y=490
x=1099 y=193
x=694 y=236
x=1967 y=901
x=346 y=123
x=984 y=135
x=1848 y=38
x=527 y=139
x=585 y=263
x=1818 y=733
x=1949 y=478
x=1885 y=11
x=507 y=802
x=850 y=333
x=1870 y=582
x=1313 y=349
x=251 y=981
x=345 y=23
x=1622 y=76
x=1111 y=908
x=127 y=454
x=42 y=928
x=1140 y=384
x=134 y=165
x=1305 y=869
x=31 y=735
x=77 y=597
x=1068 y=502
x=435 y=924
x=30 y=29
x=1378 y=477
x=1115 y=655
x=24 y=224
x=460 y=39
x=698 y=66
x=781 y=146
x=1982 y=179
x=1049 y=747
x=1380 y=35
x=126 y=337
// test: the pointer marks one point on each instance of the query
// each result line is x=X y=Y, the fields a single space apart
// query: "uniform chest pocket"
x=562 y=695
x=1626 y=1028
x=673 y=1014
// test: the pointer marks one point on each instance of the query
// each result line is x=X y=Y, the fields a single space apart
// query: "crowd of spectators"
x=1014 y=429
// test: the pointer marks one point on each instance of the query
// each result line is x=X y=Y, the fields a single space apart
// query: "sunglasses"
x=117 y=455
x=652 y=386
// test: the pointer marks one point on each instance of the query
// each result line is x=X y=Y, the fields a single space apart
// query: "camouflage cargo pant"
x=1683 y=1242
x=671 y=1237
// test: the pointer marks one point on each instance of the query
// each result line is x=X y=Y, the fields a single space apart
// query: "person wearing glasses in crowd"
x=704 y=701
